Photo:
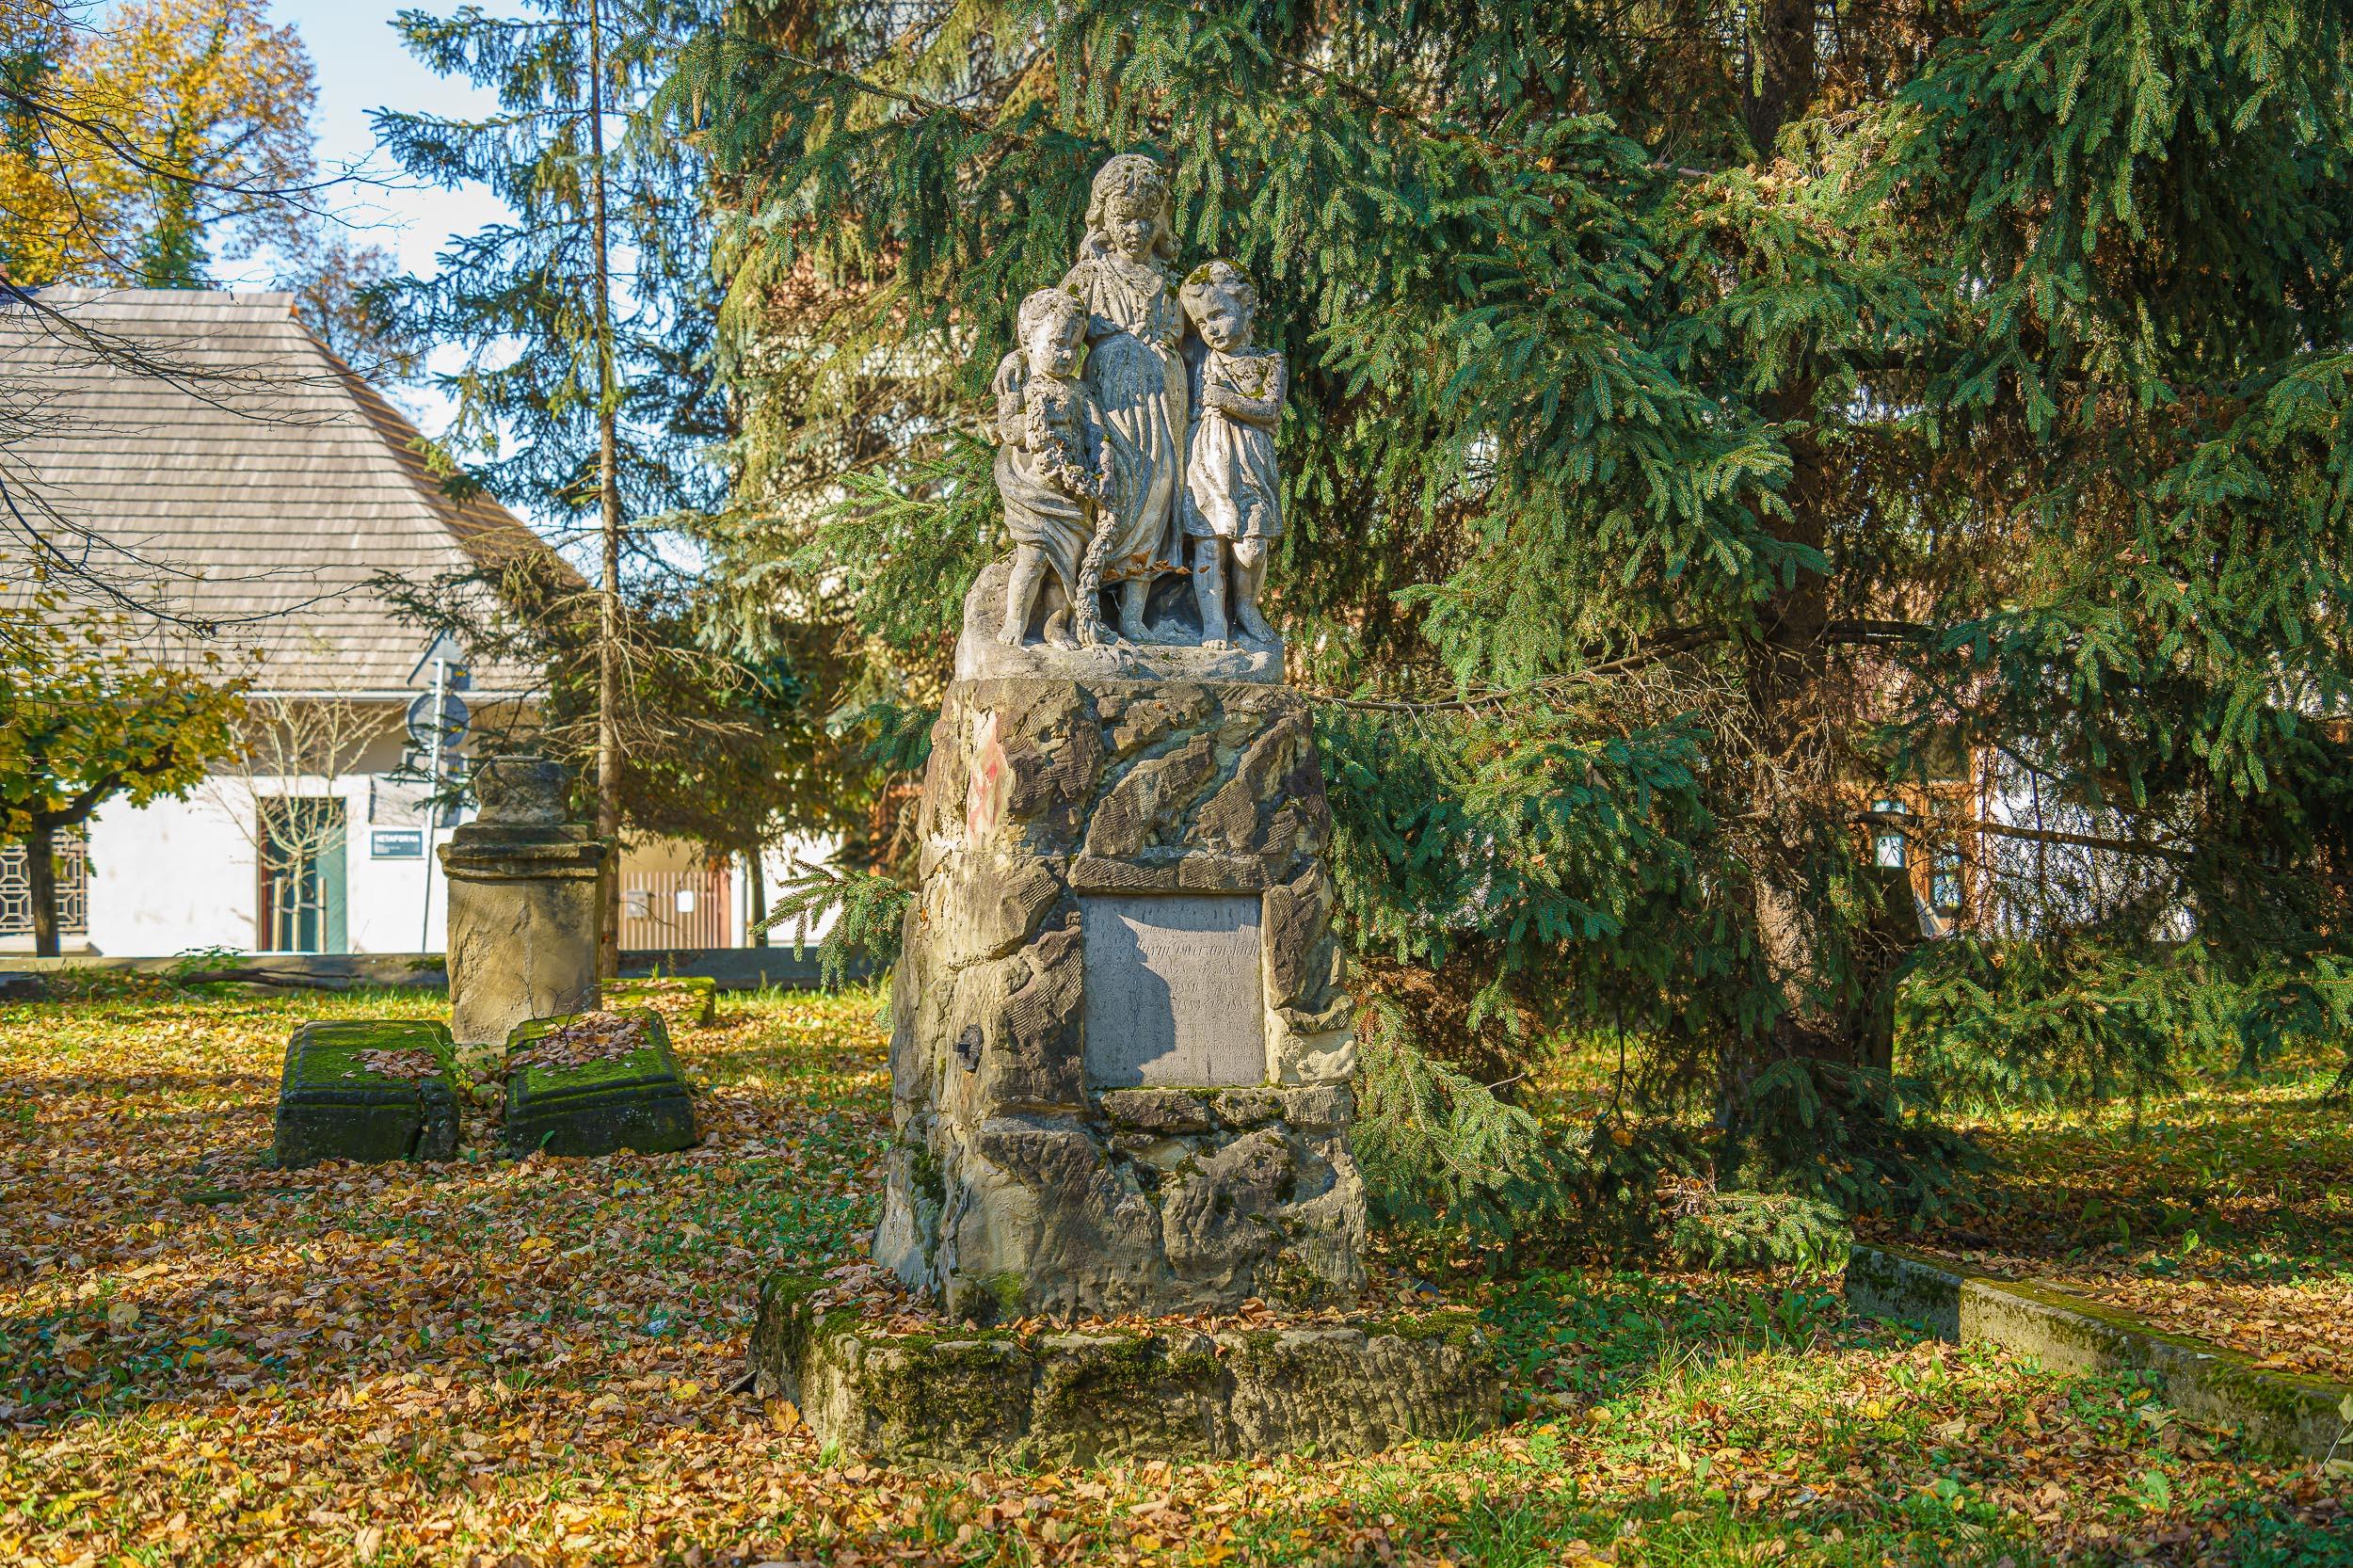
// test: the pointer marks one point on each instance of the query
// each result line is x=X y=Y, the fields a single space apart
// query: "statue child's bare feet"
x=1254 y=624
x=1009 y=633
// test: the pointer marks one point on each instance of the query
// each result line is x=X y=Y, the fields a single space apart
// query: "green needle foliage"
x=520 y=295
x=1701 y=417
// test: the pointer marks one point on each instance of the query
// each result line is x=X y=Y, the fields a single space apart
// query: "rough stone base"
x=638 y=1101
x=969 y=1398
x=2279 y=1412
x=332 y=1106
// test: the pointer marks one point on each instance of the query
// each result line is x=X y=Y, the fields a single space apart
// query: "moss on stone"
x=635 y=1101
x=331 y=1051
x=1008 y=1290
x=333 y=1106
x=1455 y=1327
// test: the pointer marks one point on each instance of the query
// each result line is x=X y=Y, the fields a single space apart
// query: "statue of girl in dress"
x=1134 y=373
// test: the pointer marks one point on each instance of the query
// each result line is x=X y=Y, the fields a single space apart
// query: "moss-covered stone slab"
x=333 y=1104
x=681 y=999
x=638 y=1101
x=2281 y=1413
x=970 y=1397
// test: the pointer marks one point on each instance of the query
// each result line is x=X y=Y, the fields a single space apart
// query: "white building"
x=266 y=493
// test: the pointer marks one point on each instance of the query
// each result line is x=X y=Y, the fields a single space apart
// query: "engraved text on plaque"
x=1173 y=990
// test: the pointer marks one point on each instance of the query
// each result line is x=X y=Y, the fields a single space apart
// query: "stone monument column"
x=1120 y=1051
x=524 y=890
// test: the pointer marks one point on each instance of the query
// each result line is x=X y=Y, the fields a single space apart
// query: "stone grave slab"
x=1170 y=1391
x=638 y=1101
x=346 y=1093
x=1175 y=990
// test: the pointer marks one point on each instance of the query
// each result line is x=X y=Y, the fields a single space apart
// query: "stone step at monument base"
x=634 y=1101
x=349 y=1091
x=959 y=1396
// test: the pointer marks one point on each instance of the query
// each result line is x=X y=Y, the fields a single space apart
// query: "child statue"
x=1232 y=508
x=1053 y=470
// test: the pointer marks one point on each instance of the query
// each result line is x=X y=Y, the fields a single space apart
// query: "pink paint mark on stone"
x=982 y=797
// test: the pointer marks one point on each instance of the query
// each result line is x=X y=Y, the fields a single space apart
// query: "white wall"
x=781 y=861
x=181 y=875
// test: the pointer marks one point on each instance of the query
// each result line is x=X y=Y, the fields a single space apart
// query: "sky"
x=360 y=66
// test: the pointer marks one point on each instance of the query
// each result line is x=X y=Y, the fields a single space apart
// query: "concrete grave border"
x=2281 y=1413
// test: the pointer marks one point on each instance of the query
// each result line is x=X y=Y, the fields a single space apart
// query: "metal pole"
x=432 y=788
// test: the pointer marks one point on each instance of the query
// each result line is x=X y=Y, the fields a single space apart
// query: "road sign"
x=456 y=718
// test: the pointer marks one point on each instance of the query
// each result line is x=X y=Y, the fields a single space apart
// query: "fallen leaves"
x=403 y=1064
x=206 y=1361
x=590 y=1037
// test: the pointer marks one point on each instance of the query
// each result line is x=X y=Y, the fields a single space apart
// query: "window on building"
x=69 y=854
x=303 y=911
x=1945 y=883
x=1887 y=847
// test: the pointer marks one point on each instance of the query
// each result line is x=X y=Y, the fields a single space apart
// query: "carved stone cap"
x=521 y=791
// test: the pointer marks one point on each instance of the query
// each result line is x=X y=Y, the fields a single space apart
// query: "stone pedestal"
x=962 y=1396
x=1120 y=1052
x=524 y=892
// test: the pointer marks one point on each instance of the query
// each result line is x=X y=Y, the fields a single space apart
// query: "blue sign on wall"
x=396 y=843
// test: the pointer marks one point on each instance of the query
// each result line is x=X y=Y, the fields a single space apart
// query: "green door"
x=303 y=902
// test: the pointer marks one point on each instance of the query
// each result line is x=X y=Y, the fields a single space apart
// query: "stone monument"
x=524 y=892
x=1120 y=1052
x=1120 y=1046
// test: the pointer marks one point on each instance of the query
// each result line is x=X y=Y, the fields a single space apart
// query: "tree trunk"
x=758 y=936
x=40 y=876
x=609 y=505
x=1835 y=1002
x=1781 y=75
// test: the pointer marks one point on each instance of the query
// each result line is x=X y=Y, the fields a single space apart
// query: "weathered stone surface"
x=2283 y=1413
x=332 y=1104
x=994 y=1397
x=523 y=896
x=1145 y=807
x=980 y=656
x=1170 y=992
x=1353 y=1390
x=638 y=1101
x=1083 y=935
x=1157 y=1109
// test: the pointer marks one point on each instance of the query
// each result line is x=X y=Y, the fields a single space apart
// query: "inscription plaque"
x=1173 y=994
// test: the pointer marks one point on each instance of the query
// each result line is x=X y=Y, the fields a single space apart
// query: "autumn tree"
x=1700 y=417
x=134 y=147
x=86 y=717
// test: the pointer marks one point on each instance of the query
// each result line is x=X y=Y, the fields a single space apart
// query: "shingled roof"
x=248 y=480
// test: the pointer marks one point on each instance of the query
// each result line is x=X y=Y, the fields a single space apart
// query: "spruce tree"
x=1700 y=417
x=585 y=391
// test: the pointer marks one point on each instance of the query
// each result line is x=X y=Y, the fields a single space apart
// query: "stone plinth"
x=524 y=892
x=992 y=1397
x=336 y=1100
x=1176 y=654
x=634 y=1101
x=1120 y=1052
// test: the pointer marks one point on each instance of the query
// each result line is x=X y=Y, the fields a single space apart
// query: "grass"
x=204 y=1360
x=2223 y=1210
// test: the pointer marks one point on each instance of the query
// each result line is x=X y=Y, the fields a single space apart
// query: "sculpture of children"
x=1233 y=505
x=1135 y=370
x=1052 y=468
